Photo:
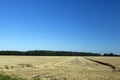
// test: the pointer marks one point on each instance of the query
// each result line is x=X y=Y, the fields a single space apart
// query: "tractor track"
x=105 y=64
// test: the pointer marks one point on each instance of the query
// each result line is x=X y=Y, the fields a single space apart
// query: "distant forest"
x=52 y=53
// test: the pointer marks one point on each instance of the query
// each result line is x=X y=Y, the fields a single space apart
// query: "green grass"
x=5 y=77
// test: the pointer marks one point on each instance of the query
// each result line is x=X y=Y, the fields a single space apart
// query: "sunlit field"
x=59 y=68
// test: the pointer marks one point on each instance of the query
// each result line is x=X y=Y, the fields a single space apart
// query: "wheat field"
x=59 y=68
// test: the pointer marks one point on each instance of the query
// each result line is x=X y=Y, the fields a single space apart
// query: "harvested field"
x=56 y=68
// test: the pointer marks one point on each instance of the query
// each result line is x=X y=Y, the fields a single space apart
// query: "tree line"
x=53 y=53
x=48 y=53
x=110 y=54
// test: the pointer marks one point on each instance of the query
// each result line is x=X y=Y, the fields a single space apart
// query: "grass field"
x=6 y=77
x=59 y=68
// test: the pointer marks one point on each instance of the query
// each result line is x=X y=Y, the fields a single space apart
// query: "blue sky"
x=70 y=25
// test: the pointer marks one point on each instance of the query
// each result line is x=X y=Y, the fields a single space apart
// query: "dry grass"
x=56 y=68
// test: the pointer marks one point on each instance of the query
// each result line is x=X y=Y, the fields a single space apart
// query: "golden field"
x=59 y=68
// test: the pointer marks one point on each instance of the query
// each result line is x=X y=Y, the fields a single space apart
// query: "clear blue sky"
x=72 y=25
